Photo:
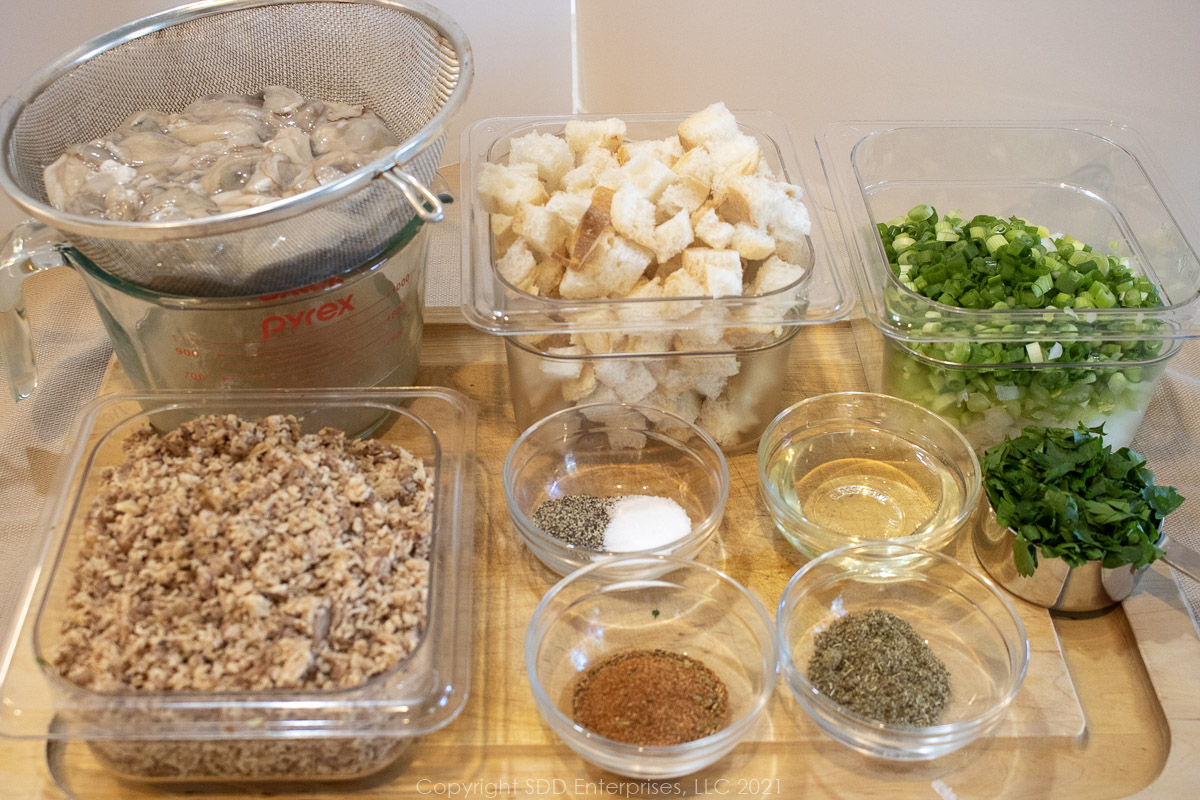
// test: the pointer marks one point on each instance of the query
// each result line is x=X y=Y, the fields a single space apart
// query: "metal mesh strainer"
x=406 y=61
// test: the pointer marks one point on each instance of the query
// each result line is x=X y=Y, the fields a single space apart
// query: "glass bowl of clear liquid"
x=854 y=467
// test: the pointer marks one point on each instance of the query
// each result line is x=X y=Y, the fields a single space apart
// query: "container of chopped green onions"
x=1023 y=273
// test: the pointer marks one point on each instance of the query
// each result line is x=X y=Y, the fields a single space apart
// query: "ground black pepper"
x=651 y=697
x=876 y=665
x=577 y=519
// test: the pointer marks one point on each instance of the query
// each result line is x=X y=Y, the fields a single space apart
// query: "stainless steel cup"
x=1057 y=586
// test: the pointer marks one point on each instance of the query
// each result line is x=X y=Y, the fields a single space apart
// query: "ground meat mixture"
x=239 y=555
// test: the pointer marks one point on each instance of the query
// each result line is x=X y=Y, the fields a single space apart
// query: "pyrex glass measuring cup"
x=361 y=328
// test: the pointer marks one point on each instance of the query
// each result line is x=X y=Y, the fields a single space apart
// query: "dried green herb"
x=877 y=666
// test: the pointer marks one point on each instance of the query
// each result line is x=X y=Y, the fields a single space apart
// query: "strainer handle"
x=427 y=204
x=31 y=247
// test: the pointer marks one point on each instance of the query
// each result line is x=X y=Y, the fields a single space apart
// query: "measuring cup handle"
x=1183 y=558
x=31 y=247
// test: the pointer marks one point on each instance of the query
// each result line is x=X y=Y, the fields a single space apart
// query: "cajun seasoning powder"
x=651 y=697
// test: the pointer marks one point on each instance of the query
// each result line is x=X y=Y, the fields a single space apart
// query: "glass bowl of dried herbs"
x=594 y=481
x=899 y=653
x=651 y=678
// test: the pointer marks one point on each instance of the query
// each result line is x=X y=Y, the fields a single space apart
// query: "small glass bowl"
x=961 y=615
x=838 y=469
x=611 y=449
x=688 y=608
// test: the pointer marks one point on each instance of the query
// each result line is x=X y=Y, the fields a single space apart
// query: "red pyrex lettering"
x=325 y=312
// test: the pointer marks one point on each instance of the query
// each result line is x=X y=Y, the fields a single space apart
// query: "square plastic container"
x=1093 y=181
x=730 y=394
x=242 y=735
x=559 y=344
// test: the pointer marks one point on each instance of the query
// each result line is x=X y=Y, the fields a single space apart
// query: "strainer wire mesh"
x=370 y=52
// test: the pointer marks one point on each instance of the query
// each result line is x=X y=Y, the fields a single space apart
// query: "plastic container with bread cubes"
x=992 y=371
x=712 y=360
x=239 y=735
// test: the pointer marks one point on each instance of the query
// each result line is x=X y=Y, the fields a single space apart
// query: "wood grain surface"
x=1108 y=710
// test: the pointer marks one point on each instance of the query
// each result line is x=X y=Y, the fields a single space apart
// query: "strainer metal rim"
x=232 y=221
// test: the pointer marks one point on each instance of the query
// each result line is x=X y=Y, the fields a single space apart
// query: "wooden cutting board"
x=1093 y=719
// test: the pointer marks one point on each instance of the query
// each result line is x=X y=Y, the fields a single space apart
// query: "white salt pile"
x=642 y=522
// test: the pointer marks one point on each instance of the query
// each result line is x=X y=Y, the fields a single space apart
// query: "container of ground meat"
x=230 y=589
x=666 y=260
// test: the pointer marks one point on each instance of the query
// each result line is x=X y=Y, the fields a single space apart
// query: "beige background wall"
x=812 y=61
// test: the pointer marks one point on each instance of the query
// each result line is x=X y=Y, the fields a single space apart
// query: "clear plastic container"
x=242 y=735
x=1093 y=181
x=991 y=401
x=633 y=334
x=730 y=394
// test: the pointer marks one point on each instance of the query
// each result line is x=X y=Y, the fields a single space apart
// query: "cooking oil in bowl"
x=865 y=484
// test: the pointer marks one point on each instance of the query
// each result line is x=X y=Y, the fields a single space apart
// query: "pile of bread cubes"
x=589 y=216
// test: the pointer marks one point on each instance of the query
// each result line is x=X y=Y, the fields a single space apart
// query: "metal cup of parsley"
x=1093 y=514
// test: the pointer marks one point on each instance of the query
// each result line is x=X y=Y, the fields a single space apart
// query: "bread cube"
x=712 y=124
x=666 y=150
x=570 y=206
x=732 y=158
x=615 y=264
x=697 y=164
x=596 y=220
x=686 y=194
x=715 y=233
x=641 y=312
x=719 y=272
x=502 y=187
x=629 y=378
x=790 y=229
x=649 y=175
x=752 y=244
x=752 y=200
x=774 y=274
x=604 y=341
x=517 y=265
x=541 y=228
x=594 y=162
x=685 y=404
x=671 y=237
x=582 y=134
x=567 y=366
x=502 y=232
x=575 y=389
x=633 y=215
x=720 y=421
x=550 y=154
x=575 y=285
x=548 y=275
x=649 y=342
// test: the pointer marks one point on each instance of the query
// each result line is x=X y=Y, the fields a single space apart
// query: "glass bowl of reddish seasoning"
x=651 y=678
x=899 y=653
x=594 y=481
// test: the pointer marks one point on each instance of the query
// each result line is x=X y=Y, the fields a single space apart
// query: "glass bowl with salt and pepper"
x=937 y=652
x=594 y=481
x=652 y=678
